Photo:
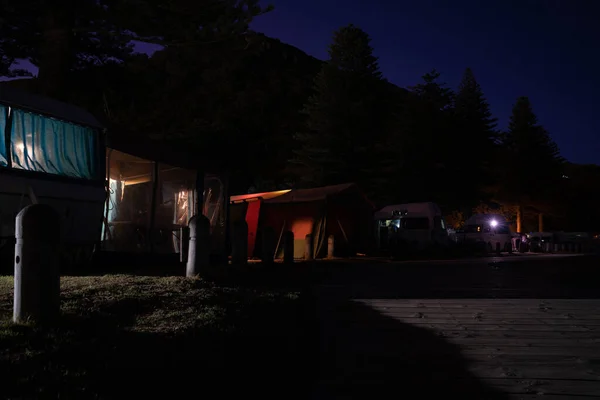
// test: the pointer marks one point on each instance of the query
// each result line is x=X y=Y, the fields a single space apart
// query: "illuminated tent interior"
x=339 y=210
x=147 y=204
x=153 y=194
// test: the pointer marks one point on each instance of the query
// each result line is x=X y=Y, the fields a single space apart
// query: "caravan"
x=419 y=224
x=114 y=194
x=52 y=153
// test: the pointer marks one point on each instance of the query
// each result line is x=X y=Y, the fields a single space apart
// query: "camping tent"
x=340 y=210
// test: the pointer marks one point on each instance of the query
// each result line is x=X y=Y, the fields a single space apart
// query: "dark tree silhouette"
x=345 y=115
x=474 y=139
x=425 y=122
x=532 y=168
x=61 y=36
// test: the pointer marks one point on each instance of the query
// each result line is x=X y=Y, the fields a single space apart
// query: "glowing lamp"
x=494 y=223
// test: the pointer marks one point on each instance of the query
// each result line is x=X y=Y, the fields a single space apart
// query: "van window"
x=473 y=229
x=439 y=223
x=414 y=223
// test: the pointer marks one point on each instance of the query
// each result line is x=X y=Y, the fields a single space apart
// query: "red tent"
x=340 y=210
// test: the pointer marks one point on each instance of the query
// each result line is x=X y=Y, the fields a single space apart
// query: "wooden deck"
x=524 y=349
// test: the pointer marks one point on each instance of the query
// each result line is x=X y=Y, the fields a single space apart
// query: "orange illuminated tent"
x=339 y=210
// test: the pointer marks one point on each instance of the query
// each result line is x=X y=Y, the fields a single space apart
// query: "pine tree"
x=344 y=115
x=423 y=137
x=474 y=138
x=532 y=167
x=476 y=122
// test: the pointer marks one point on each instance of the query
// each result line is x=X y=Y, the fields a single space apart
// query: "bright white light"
x=493 y=223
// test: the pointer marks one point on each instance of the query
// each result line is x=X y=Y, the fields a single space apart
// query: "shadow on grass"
x=364 y=354
x=244 y=342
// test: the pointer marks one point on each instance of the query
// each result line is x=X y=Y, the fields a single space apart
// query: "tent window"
x=3 y=122
x=47 y=145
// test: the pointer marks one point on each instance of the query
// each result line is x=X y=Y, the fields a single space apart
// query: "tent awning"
x=314 y=194
x=256 y=196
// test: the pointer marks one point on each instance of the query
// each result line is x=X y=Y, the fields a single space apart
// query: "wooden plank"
x=424 y=318
x=534 y=372
x=518 y=341
x=542 y=396
x=540 y=331
x=546 y=387
x=486 y=303
x=529 y=348
x=524 y=324
x=541 y=309
x=533 y=352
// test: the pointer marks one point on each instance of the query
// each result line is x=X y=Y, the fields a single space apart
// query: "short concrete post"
x=269 y=241
x=199 y=246
x=288 y=247
x=556 y=247
x=330 y=246
x=239 y=243
x=308 y=247
x=37 y=257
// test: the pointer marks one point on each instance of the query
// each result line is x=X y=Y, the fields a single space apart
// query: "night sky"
x=548 y=50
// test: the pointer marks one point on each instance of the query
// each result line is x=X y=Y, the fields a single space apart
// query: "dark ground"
x=290 y=333
x=365 y=354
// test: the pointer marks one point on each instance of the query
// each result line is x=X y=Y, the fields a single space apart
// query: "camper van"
x=51 y=153
x=491 y=230
x=418 y=224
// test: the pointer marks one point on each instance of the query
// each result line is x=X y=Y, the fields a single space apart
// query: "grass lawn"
x=158 y=337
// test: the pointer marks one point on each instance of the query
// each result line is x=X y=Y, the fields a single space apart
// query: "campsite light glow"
x=494 y=223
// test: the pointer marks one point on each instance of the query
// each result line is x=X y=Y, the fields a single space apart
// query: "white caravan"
x=419 y=224
x=51 y=153
x=491 y=229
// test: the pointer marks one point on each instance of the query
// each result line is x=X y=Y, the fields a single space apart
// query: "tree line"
x=275 y=117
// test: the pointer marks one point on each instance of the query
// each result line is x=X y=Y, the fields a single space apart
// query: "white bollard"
x=37 y=257
x=199 y=246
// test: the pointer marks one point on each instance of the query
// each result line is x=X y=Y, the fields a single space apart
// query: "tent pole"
x=227 y=249
x=198 y=206
x=280 y=236
x=153 y=207
x=343 y=231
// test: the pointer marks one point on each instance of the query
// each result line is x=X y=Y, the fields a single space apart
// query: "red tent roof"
x=314 y=194
x=256 y=196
